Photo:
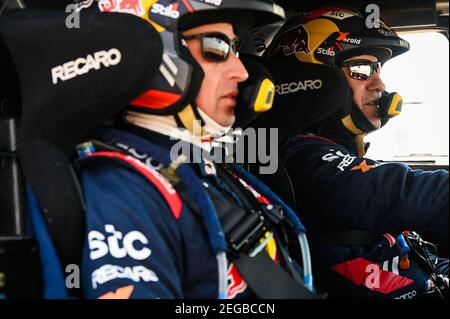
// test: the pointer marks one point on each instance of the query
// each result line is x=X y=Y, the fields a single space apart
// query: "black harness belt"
x=243 y=230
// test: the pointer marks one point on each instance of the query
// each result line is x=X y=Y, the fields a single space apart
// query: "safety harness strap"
x=270 y=281
x=243 y=230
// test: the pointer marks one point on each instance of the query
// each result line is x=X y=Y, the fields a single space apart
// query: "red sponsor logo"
x=236 y=284
x=125 y=6
x=362 y=272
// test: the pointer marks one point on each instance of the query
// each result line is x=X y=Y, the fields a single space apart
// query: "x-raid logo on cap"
x=84 y=65
x=343 y=36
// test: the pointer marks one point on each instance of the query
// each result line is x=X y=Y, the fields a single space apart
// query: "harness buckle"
x=247 y=234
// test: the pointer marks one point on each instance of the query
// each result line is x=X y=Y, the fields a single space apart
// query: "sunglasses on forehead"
x=216 y=46
x=362 y=69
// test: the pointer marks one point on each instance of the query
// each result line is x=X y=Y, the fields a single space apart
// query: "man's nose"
x=238 y=72
x=376 y=83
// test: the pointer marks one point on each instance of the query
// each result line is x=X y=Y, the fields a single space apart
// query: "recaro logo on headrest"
x=294 y=87
x=80 y=66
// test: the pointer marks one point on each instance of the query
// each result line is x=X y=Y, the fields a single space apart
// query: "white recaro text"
x=80 y=66
x=288 y=88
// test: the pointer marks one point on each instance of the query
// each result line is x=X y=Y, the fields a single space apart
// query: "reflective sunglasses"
x=362 y=69
x=216 y=46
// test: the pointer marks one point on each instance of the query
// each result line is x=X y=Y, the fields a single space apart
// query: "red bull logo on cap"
x=126 y=6
x=295 y=41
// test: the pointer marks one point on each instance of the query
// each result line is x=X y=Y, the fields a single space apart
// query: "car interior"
x=34 y=153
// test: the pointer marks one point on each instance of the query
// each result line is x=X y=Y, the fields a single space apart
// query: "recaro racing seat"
x=50 y=133
x=304 y=96
x=121 y=54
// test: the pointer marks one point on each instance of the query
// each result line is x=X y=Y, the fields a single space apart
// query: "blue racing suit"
x=133 y=248
x=336 y=190
x=138 y=245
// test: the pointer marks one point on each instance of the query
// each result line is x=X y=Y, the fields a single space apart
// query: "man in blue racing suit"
x=162 y=226
x=339 y=191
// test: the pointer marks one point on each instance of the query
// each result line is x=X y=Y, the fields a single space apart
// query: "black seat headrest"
x=305 y=94
x=72 y=80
